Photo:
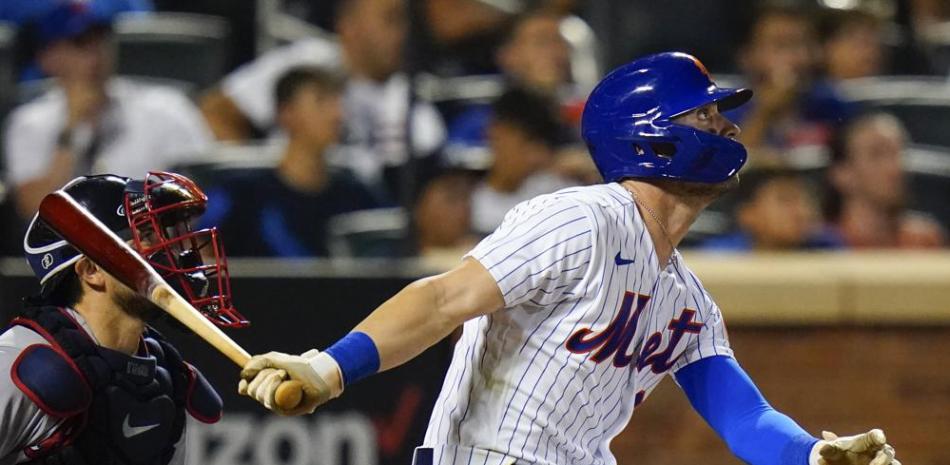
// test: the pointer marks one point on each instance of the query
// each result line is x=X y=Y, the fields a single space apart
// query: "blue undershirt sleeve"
x=724 y=395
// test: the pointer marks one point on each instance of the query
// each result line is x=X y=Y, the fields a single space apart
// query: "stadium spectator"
x=534 y=55
x=284 y=212
x=868 y=200
x=774 y=211
x=851 y=43
x=90 y=121
x=26 y=14
x=371 y=37
x=522 y=137
x=928 y=13
x=442 y=217
x=791 y=107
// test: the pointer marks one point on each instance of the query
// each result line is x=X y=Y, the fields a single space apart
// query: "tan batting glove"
x=320 y=374
x=870 y=448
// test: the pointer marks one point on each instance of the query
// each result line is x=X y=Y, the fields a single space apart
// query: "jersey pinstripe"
x=591 y=325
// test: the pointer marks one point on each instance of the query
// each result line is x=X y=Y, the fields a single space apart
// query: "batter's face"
x=708 y=119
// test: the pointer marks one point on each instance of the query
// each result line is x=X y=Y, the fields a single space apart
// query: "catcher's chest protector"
x=117 y=409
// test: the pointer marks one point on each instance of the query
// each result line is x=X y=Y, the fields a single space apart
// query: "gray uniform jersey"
x=22 y=423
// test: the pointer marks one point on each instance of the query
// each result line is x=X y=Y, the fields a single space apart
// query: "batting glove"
x=319 y=373
x=870 y=448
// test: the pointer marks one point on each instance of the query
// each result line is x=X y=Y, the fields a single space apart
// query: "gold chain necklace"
x=666 y=234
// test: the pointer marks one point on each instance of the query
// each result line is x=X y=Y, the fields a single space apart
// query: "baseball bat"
x=88 y=235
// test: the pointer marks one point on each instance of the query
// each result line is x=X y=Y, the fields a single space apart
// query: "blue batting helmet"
x=628 y=122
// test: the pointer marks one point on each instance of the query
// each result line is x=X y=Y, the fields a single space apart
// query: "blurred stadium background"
x=830 y=263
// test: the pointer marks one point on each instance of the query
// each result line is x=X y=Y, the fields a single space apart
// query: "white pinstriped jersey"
x=590 y=326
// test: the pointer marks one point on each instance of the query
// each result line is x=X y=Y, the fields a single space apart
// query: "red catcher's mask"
x=161 y=210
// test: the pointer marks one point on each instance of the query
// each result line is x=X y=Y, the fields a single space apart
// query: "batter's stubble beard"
x=699 y=192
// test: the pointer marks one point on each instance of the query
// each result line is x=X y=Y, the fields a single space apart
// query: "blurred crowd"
x=391 y=128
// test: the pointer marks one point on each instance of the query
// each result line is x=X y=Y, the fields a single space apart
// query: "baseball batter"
x=578 y=305
x=83 y=379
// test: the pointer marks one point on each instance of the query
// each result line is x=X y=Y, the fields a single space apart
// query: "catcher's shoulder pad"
x=51 y=380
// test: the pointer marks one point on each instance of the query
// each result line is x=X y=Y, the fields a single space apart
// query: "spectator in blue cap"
x=89 y=121
x=25 y=12
x=40 y=26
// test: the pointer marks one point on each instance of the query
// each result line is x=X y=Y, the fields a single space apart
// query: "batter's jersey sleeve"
x=713 y=338
x=251 y=87
x=541 y=252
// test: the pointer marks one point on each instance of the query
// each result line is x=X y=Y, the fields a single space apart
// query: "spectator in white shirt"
x=523 y=136
x=371 y=35
x=89 y=121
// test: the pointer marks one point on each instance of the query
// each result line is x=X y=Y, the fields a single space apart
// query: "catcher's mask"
x=160 y=210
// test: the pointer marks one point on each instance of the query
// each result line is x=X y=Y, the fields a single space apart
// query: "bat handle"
x=289 y=394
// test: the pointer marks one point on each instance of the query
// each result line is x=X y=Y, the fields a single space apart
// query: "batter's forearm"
x=724 y=395
x=428 y=310
x=408 y=323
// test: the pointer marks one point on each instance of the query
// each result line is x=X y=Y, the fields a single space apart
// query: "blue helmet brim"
x=730 y=98
x=726 y=99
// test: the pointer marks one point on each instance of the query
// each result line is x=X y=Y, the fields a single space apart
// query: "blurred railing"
x=830 y=288
x=821 y=288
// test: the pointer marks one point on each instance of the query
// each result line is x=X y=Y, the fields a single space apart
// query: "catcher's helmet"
x=627 y=122
x=154 y=214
